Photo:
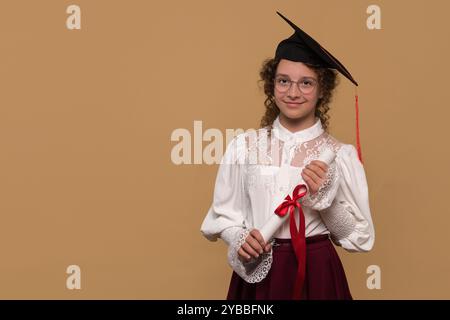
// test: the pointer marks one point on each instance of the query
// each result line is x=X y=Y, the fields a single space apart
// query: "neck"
x=295 y=125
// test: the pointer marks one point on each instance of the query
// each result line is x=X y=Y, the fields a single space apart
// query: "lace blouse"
x=260 y=167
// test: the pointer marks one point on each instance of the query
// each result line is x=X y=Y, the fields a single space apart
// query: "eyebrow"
x=305 y=77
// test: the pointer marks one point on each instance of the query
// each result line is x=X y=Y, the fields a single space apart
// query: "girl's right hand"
x=253 y=246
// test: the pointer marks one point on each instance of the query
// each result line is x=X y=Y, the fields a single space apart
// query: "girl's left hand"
x=315 y=174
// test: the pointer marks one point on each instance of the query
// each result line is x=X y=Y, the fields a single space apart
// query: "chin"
x=292 y=114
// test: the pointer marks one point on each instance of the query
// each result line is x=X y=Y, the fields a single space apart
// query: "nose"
x=293 y=91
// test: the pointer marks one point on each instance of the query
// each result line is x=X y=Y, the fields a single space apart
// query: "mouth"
x=293 y=104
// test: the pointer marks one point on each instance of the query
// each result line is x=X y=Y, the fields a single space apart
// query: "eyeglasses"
x=283 y=84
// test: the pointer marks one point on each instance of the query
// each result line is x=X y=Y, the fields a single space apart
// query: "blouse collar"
x=307 y=134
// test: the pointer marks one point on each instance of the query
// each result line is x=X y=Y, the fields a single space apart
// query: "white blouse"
x=257 y=171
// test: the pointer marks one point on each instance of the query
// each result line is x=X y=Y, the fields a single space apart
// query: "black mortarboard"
x=300 y=47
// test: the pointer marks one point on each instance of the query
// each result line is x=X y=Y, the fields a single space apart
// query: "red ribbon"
x=297 y=236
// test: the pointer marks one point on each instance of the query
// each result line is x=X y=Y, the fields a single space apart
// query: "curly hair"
x=327 y=79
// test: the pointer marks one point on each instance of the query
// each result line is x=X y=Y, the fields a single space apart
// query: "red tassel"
x=358 y=143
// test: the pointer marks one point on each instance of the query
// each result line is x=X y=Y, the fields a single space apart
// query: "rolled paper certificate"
x=275 y=221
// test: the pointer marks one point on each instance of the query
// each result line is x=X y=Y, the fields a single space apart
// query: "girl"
x=261 y=168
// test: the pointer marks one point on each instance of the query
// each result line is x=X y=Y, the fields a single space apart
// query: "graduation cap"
x=300 y=47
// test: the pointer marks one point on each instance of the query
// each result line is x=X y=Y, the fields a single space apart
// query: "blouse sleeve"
x=225 y=217
x=348 y=218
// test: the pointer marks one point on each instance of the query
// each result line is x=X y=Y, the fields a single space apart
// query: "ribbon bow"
x=297 y=236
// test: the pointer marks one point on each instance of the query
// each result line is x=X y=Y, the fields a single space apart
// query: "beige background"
x=86 y=117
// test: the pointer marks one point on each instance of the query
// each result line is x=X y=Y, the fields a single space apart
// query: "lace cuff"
x=323 y=198
x=256 y=269
x=339 y=221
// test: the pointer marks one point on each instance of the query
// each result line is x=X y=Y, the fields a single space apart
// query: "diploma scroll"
x=275 y=221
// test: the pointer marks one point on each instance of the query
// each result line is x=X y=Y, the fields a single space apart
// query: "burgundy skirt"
x=324 y=279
